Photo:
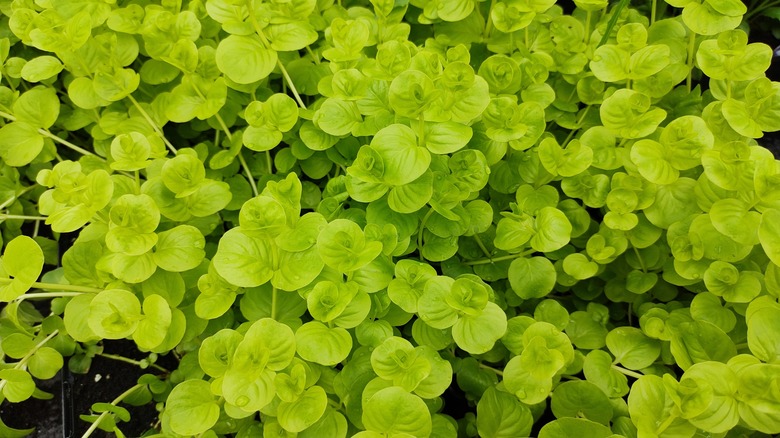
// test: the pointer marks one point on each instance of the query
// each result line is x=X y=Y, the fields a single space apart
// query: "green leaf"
x=762 y=330
x=20 y=143
x=114 y=314
x=598 y=370
x=22 y=262
x=403 y=160
x=394 y=411
x=532 y=277
x=243 y=260
x=153 y=328
x=301 y=414
x=45 y=363
x=581 y=427
x=650 y=407
x=769 y=234
x=245 y=59
x=41 y=68
x=191 y=409
x=179 y=249
x=628 y=114
x=19 y=385
x=39 y=107
x=216 y=351
x=501 y=415
x=343 y=246
x=446 y=137
x=581 y=399
x=633 y=348
x=319 y=344
x=477 y=334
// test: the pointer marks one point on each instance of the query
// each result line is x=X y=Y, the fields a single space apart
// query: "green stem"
x=482 y=245
x=587 y=27
x=612 y=20
x=274 y=295
x=653 y=7
x=22 y=364
x=33 y=296
x=248 y=172
x=152 y=124
x=21 y=217
x=641 y=261
x=760 y=9
x=691 y=47
x=627 y=372
x=489 y=24
x=137 y=182
x=270 y=162
x=742 y=346
x=313 y=55
x=420 y=233
x=13 y=198
x=116 y=401
x=499 y=259
x=59 y=140
x=55 y=286
x=137 y=363
x=487 y=367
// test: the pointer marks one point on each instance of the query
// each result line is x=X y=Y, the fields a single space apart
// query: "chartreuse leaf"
x=706 y=396
x=216 y=351
x=20 y=267
x=565 y=427
x=757 y=392
x=343 y=246
x=629 y=114
x=395 y=412
x=478 y=333
x=651 y=408
x=19 y=385
x=409 y=283
x=730 y=57
x=501 y=415
x=769 y=234
x=20 y=143
x=45 y=363
x=244 y=58
x=319 y=344
x=763 y=336
x=114 y=314
x=300 y=414
x=633 y=348
x=398 y=361
x=532 y=277
x=581 y=399
x=154 y=326
x=179 y=249
x=191 y=408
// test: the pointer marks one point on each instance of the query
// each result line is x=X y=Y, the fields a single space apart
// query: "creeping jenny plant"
x=395 y=218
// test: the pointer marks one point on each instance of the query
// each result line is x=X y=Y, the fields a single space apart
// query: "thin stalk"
x=760 y=9
x=248 y=172
x=489 y=368
x=13 y=198
x=274 y=294
x=588 y=17
x=241 y=160
x=641 y=261
x=117 y=400
x=137 y=363
x=481 y=245
x=653 y=7
x=291 y=84
x=691 y=47
x=579 y=125
x=627 y=372
x=59 y=287
x=269 y=161
x=21 y=217
x=499 y=259
x=313 y=55
x=613 y=20
x=420 y=233
x=34 y=296
x=22 y=364
x=59 y=140
x=489 y=24
x=152 y=124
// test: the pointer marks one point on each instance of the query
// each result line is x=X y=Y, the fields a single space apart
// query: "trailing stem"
x=115 y=402
x=56 y=286
x=62 y=141
x=22 y=364
x=152 y=124
x=138 y=363
x=499 y=259
x=241 y=160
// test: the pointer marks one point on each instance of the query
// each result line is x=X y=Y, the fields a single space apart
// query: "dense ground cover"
x=394 y=218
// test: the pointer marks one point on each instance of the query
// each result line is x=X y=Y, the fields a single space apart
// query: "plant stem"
x=48 y=295
x=487 y=367
x=481 y=245
x=628 y=372
x=13 y=198
x=22 y=217
x=489 y=23
x=612 y=20
x=55 y=286
x=248 y=172
x=420 y=233
x=152 y=124
x=62 y=141
x=653 y=7
x=102 y=416
x=241 y=160
x=499 y=259
x=313 y=55
x=22 y=364
x=587 y=26
x=691 y=47
x=641 y=261
x=137 y=363
x=274 y=294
